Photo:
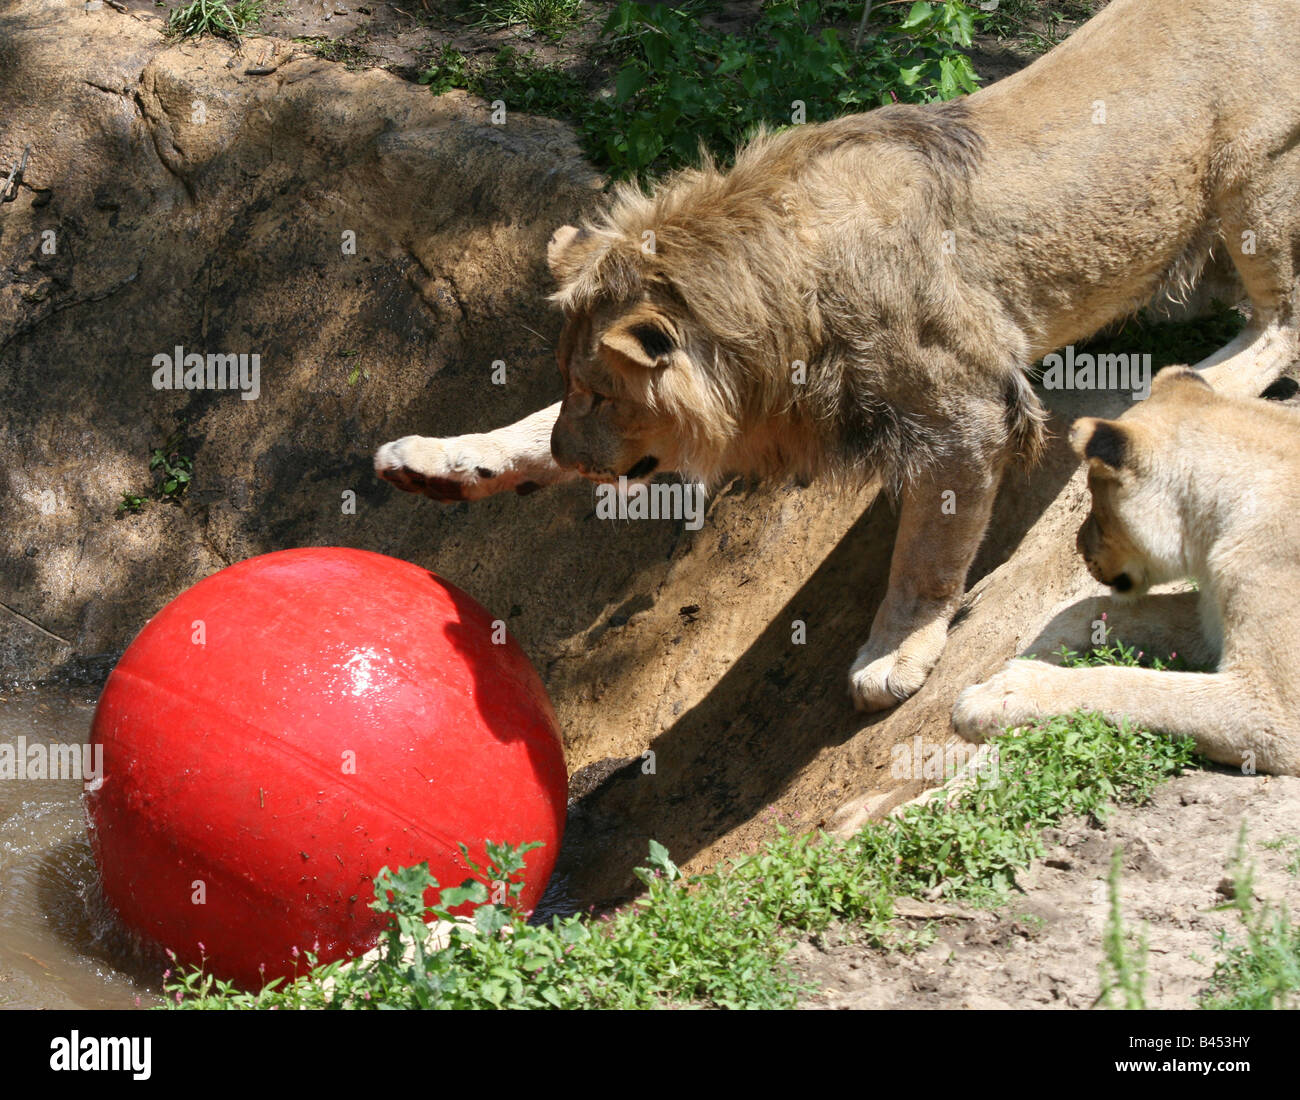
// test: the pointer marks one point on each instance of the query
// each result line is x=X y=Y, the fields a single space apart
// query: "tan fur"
x=864 y=297
x=1188 y=484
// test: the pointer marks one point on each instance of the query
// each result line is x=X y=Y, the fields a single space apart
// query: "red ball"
x=288 y=726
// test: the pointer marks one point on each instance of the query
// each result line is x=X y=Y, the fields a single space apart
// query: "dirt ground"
x=1043 y=949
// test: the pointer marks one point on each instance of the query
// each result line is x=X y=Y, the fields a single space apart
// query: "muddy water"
x=59 y=945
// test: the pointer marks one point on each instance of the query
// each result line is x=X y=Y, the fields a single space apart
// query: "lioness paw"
x=1011 y=698
x=442 y=469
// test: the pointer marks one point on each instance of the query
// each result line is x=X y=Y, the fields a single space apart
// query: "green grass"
x=1262 y=969
x=223 y=18
x=720 y=938
x=351 y=54
x=551 y=18
x=1170 y=342
x=1124 y=956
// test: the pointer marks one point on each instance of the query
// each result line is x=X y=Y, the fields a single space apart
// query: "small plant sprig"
x=173 y=473
x=1123 y=970
x=222 y=18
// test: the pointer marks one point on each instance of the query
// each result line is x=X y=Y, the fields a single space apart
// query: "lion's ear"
x=642 y=338
x=1106 y=444
x=561 y=241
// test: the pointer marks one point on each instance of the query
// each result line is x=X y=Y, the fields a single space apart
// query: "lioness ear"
x=643 y=339
x=559 y=243
x=1171 y=377
x=1103 y=442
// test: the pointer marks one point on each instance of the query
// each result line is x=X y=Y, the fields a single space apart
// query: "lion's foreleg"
x=940 y=527
x=469 y=467
x=1221 y=712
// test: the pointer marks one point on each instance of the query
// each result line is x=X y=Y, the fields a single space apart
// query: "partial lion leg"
x=470 y=467
x=942 y=521
x=1222 y=712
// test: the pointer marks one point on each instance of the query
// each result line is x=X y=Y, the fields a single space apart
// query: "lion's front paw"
x=443 y=469
x=1011 y=698
x=886 y=681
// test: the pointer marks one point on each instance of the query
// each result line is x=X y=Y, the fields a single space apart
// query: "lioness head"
x=1132 y=538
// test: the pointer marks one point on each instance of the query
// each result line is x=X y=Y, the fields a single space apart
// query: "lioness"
x=1187 y=484
x=865 y=296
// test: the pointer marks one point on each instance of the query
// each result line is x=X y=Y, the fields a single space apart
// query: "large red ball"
x=288 y=726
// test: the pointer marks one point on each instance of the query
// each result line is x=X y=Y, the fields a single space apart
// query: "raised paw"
x=1016 y=696
x=442 y=469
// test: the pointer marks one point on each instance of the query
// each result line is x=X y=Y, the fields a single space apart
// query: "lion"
x=866 y=297
x=1188 y=484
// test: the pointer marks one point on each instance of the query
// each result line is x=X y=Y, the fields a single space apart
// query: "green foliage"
x=679 y=85
x=1264 y=970
x=683 y=85
x=525 y=84
x=172 y=472
x=448 y=70
x=1124 y=962
x=223 y=18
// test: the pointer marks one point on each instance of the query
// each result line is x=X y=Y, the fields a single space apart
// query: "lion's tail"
x=1026 y=419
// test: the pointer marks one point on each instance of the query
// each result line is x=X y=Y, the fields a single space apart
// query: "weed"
x=223 y=18
x=173 y=472
x=1123 y=970
x=1263 y=971
x=547 y=17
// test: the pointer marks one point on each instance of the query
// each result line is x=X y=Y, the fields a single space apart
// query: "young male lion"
x=1187 y=484
x=865 y=296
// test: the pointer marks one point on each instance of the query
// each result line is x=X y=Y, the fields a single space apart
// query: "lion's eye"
x=597 y=399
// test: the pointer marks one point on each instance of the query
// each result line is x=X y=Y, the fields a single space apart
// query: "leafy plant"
x=173 y=472
x=683 y=85
x=678 y=85
x=223 y=18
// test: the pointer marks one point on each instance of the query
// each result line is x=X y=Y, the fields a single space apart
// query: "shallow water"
x=60 y=946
